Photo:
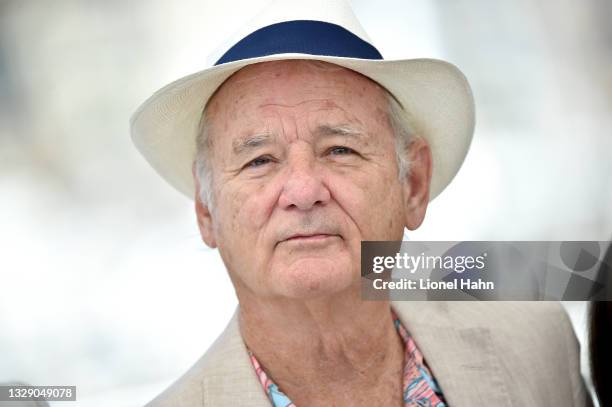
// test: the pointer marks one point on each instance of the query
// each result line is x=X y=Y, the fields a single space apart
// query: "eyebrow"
x=251 y=142
x=340 y=130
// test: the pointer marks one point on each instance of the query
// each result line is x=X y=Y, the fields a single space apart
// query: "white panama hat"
x=435 y=93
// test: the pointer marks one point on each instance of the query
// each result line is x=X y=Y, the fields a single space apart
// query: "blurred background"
x=105 y=283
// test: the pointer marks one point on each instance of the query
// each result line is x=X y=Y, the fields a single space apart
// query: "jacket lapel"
x=460 y=354
x=230 y=379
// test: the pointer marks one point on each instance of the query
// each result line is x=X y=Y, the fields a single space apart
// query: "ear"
x=416 y=183
x=205 y=222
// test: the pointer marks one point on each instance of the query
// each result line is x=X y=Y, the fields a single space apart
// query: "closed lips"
x=310 y=236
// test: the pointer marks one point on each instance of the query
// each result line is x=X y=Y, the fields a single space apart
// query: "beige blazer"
x=481 y=353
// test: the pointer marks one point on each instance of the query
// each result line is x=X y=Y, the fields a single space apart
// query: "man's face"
x=304 y=169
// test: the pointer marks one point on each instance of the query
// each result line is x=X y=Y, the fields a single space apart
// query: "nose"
x=303 y=188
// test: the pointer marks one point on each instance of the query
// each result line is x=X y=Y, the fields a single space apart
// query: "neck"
x=323 y=349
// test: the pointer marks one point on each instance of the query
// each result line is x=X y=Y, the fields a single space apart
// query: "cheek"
x=245 y=211
x=373 y=202
x=242 y=214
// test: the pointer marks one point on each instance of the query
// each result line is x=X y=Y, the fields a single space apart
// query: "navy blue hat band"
x=303 y=37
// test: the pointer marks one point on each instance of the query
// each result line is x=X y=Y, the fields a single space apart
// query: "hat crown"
x=337 y=12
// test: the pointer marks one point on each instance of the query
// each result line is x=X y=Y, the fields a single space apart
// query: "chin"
x=314 y=277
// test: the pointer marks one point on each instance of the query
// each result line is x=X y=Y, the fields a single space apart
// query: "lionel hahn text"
x=427 y=284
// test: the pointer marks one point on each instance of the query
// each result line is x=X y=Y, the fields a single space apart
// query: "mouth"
x=310 y=237
x=309 y=240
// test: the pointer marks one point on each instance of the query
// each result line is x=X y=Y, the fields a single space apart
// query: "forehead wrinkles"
x=310 y=106
x=316 y=75
x=326 y=83
x=318 y=113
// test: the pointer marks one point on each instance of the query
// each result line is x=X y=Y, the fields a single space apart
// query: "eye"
x=258 y=162
x=341 y=151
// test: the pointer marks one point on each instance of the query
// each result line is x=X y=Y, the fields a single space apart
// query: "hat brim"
x=435 y=93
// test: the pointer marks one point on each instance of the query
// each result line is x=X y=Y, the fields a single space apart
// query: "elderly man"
x=297 y=160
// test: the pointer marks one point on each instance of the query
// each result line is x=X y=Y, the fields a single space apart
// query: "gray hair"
x=398 y=119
